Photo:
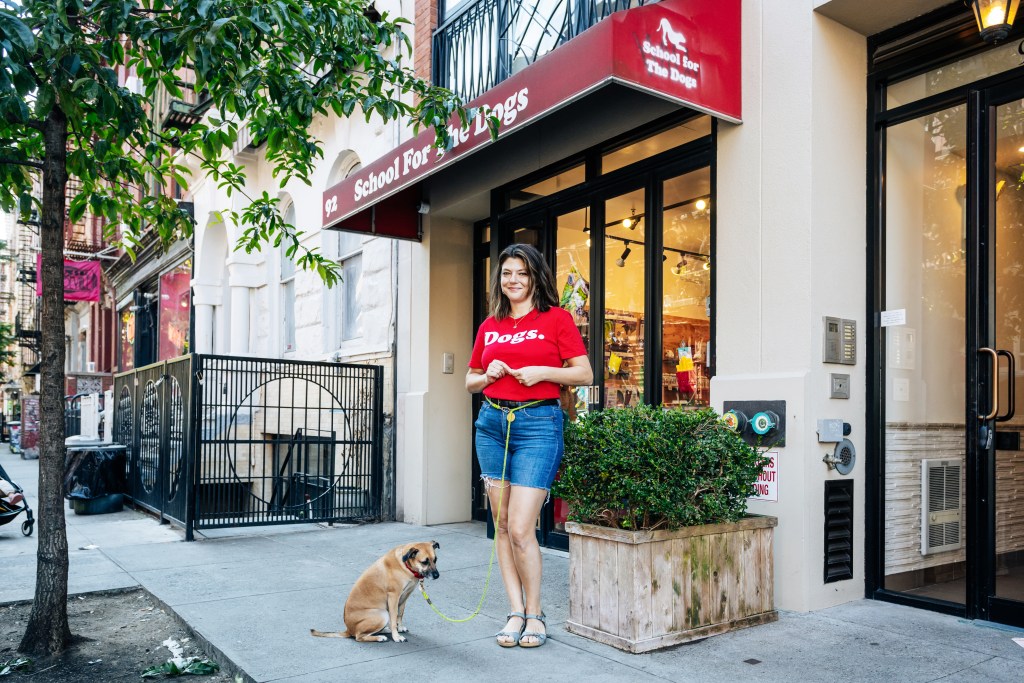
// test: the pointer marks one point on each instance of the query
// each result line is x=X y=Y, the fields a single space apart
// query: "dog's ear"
x=436 y=545
x=411 y=553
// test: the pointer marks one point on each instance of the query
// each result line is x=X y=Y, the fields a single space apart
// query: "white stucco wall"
x=791 y=250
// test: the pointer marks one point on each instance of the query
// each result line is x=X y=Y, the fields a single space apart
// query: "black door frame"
x=957 y=39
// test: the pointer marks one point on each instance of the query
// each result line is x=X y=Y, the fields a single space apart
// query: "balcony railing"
x=484 y=42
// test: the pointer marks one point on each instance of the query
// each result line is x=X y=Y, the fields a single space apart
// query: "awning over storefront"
x=685 y=51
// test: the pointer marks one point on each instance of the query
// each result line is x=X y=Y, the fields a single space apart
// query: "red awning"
x=685 y=51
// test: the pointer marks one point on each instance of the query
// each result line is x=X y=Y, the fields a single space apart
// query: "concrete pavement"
x=253 y=594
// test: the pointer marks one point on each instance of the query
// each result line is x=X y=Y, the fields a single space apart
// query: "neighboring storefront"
x=947 y=198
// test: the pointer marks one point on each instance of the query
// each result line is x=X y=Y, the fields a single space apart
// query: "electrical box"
x=448 y=363
x=830 y=431
x=840 y=343
x=840 y=385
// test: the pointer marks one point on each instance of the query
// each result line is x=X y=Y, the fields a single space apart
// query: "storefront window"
x=126 y=322
x=548 y=186
x=175 y=307
x=686 y=289
x=624 y=297
x=688 y=131
x=949 y=76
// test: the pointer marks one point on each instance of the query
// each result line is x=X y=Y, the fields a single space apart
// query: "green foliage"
x=195 y=666
x=269 y=70
x=7 y=341
x=646 y=468
x=16 y=664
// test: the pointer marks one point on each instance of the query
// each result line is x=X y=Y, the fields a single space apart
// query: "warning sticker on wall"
x=767 y=485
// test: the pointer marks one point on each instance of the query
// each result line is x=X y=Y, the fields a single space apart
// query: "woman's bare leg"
x=498 y=495
x=523 y=509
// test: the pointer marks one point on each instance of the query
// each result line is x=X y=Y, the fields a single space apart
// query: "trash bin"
x=94 y=478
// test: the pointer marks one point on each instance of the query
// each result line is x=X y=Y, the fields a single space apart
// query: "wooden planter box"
x=643 y=590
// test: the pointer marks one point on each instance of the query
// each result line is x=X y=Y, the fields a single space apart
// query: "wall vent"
x=838 y=530
x=940 y=505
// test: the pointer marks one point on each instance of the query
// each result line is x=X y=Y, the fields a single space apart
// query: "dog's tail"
x=329 y=634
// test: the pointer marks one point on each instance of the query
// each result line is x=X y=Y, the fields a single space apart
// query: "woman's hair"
x=541 y=280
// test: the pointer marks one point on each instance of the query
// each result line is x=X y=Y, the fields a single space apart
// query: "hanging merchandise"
x=684 y=370
x=575 y=292
x=614 y=362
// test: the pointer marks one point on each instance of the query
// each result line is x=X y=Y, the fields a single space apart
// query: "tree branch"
x=15 y=162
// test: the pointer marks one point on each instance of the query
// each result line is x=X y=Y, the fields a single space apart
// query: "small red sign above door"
x=686 y=51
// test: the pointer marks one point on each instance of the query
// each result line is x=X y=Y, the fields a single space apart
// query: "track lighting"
x=678 y=268
x=621 y=262
x=631 y=222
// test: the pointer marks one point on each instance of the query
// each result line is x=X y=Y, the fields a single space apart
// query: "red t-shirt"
x=548 y=338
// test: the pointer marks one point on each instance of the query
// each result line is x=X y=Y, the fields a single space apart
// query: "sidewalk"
x=253 y=594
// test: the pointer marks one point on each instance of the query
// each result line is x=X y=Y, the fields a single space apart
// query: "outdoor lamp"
x=994 y=17
x=621 y=262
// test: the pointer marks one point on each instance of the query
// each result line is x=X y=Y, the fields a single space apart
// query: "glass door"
x=951 y=326
x=1001 y=323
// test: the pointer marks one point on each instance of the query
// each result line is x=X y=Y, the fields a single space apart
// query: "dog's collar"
x=413 y=571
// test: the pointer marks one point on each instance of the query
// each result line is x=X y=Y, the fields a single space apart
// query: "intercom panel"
x=840 y=341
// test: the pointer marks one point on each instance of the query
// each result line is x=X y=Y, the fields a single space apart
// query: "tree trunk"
x=48 y=631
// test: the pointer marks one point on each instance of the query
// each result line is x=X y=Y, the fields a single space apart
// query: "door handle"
x=995 y=384
x=1011 y=393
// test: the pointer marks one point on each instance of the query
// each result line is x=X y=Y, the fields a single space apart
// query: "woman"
x=523 y=352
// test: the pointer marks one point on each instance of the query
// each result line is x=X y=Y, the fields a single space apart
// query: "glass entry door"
x=951 y=325
x=1001 y=336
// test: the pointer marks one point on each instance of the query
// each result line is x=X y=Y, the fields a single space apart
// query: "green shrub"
x=647 y=468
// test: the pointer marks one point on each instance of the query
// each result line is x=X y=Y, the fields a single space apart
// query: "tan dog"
x=378 y=597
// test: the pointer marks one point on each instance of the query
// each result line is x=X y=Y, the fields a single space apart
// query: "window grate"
x=838 y=530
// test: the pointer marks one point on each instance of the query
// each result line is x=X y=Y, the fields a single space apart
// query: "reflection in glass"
x=1008 y=315
x=623 y=333
x=925 y=286
x=686 y=300
x=687 y=131
x=948 y=76
x=548 y=186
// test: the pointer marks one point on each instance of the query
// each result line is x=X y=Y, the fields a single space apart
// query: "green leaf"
x=45 y=100
x=17 y=31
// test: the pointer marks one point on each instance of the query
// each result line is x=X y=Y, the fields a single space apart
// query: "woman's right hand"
x=496 y=370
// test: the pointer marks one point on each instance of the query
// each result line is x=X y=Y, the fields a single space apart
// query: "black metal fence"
x=482 y=43
x=219 y=441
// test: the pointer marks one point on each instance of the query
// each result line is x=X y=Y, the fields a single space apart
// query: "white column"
x=243 y=276
x=204 y=297
x=238 y=339
x=204 y=328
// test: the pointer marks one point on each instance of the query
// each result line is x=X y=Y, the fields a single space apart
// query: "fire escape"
x=27 y=316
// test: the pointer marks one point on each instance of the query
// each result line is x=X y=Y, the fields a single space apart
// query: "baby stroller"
x=13 y=502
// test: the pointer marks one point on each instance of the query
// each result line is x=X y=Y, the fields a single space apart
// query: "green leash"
x=510 y=417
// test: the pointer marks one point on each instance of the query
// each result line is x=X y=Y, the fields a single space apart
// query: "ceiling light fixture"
x=621 y=261
x=631 y=222
x=678 y=268
x=701 y=205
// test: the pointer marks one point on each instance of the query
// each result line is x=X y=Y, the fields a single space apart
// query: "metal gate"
x=218 y=441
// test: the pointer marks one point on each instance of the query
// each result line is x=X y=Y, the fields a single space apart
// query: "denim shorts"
x=535 y=446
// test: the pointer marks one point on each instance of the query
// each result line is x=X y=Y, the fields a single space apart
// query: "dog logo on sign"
x=670 y=35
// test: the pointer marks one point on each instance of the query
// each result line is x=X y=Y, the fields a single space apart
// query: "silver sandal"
x=541 y=637
x=514 y=635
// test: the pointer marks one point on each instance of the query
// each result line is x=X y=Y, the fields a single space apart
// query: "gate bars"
x=218 y=441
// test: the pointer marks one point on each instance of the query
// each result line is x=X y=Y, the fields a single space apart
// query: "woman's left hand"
x=530 y=375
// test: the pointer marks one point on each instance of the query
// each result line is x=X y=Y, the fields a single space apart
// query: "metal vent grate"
x=838 y=530
x=940 y=505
